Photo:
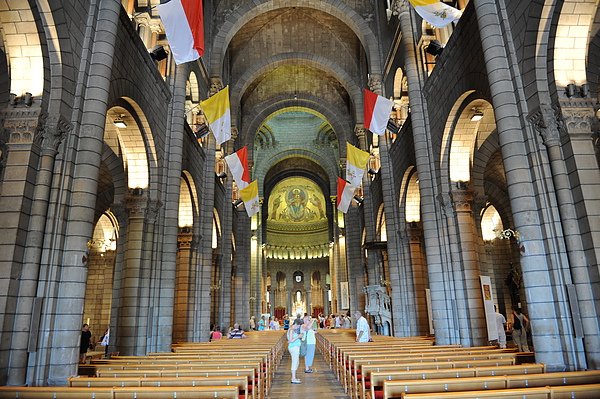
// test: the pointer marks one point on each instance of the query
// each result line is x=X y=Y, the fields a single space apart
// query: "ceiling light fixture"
x=477 y=115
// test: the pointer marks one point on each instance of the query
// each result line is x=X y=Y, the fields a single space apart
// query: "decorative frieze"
x=579 y=115
x=462 y=200
x=216 y=85
x=152 y=210
x=399 y=7
x=375 y=84
x=21 y=124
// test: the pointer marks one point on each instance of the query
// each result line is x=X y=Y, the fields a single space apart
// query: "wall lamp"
x=372 y=171
x=158 y=53
x=237 y=203
x=221 y=175
x=359 y=200
x=477 y=115
x=434 y=48
x=119 y=122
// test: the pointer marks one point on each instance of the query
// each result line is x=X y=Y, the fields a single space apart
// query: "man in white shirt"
x=501 y=327
x=362 y=328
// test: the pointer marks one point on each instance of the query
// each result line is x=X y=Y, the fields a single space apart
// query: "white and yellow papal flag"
x=217 y=113
x=435 y=12
x=250 y=197
x=356 y=162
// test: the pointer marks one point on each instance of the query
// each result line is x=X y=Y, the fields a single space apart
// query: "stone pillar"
x=52 y=132
x=132 y=327
x=182 y=285
x=474 y=329
x=552 y=335
x=419 y=267
x=547 y=121
x=20 y=127
x=120 y=212
x=435 y=244
x=242 y=263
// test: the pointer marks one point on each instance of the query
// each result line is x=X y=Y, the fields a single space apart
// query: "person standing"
x=104 y=341
x=308 y=328
x=262 y=324
x=294 y=337
x=252 y=324
x=84 y=343
x=501 y=327
x=363 y=333
x=519 y=332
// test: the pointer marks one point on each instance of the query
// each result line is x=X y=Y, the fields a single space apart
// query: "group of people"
x=264 y=323
x=340 y=321
x=302 y=340
x=519 y=329
x=85 y=342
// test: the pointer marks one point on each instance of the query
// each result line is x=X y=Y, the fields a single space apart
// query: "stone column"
x=20 y=127
x=241 y=290
x=438 y=264
x=52 y=133
x=419 y=267
x=554 y=344
x=547 y=121
x=132 y=327
x=182 y=285
x=474 y=329
x=120 y=212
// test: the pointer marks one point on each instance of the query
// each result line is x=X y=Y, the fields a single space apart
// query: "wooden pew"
x=204 y=392
x=371 y=386
x=254 y=387
x=241 y=382
x=587 y=391
x=355 y=375
x=395 y=389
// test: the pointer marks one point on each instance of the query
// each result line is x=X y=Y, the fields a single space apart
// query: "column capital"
x=462 y=200
x=152 y=210
x=546 y=120
x=184 y=238
x=446 y=204
x=414 y=232
x=22 y=125
x=216 y=84
x=135 y=203
x=579 y=115
x=399 y=7
x=361 y=133
x=376 y=83
x=54 y=131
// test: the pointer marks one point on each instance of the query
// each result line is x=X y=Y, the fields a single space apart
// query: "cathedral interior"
x=118 y=210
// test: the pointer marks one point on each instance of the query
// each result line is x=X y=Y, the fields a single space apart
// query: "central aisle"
x=320 y=384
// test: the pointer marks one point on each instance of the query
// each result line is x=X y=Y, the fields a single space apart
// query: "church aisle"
x=322 y=383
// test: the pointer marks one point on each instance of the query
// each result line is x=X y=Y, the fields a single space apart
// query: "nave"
x=259 y=368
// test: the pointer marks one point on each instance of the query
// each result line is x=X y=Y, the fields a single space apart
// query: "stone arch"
x=186 y=209
x=216 y=232
x=191 y=186
x=261 y=112
x=484 y=153
x=413 y=199
x=381 y=226
x=469 y=123
x=252 y=73
x=571 y=42
x=327 y=165
x=125 y=136
x=112 y=181
x=25 y=59
x=398 y=82
x=249 y=10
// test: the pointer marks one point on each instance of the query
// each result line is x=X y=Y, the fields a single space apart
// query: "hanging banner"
x=429 y=314
x=344 y=295
x=488 y=306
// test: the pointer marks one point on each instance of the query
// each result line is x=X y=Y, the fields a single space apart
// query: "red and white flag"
x=345 y=194
x=184 y=24
x=238 y=165
x=377 y=111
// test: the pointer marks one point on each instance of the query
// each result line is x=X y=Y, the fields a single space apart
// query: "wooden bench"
x=355 y=361
x=588 y=391
x=371 y=386
x=355 y=376
x=241 y=382
x=395 y=389
x=204 y=392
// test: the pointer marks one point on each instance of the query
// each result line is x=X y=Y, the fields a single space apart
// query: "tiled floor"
x=320 y=384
